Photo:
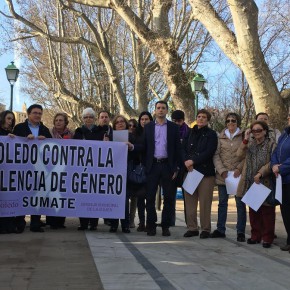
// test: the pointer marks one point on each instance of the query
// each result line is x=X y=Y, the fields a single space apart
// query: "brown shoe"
x=285 y=248
x=190 y=234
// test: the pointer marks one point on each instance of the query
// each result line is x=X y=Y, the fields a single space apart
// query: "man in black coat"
x=32 y=128
x=163 y=153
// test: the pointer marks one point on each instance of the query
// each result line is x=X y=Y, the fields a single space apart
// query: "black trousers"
x=85 y=222
x=160 y=173
x=285 y=209
x=125 y=223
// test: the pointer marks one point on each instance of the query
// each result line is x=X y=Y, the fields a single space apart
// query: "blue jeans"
x=223 y=211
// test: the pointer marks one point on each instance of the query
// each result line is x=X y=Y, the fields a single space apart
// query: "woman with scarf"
x=59 y=131
x=257 y=169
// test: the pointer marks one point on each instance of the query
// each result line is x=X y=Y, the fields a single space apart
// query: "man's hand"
x=174 y=175
x=30 y=137
x=41 y=137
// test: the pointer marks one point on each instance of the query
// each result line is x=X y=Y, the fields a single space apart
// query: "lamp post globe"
x=197 y=85
x=12 y=73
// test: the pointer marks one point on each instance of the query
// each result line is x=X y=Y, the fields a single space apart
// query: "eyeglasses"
x=88 y=117
x=132 y=126
x=257 y=131
x=231 y=121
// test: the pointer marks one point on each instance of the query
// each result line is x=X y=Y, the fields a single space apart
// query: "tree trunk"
x=244 y=50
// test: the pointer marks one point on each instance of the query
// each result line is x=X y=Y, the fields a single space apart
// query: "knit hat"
x=177 y=115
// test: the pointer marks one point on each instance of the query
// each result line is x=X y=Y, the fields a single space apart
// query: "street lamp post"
x=197 y=85
x=12 y=73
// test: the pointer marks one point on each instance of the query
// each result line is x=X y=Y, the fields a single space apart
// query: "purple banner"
x=57 y=177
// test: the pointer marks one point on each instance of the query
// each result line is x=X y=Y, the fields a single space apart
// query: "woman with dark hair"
x=132 y=126
x=144 y=118
x=133 y=199
x=226 y=160
x=257 y=169
x=59 y=131
x=280 y=164
x=199 y=147
x=7 y=123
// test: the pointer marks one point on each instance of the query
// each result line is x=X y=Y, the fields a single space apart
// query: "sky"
x=5 y=91
x=19 y=99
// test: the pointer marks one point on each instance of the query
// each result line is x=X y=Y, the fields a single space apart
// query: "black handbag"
x=271 y=200
x=136 y=173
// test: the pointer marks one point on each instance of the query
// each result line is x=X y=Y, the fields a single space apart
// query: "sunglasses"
x=257 y=131
x=231 y=121
x=88 y=117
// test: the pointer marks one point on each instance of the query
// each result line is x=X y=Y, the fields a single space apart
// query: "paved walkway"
x=68 y=259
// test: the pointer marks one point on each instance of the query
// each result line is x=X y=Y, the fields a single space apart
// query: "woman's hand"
x=11 y=135
x=130 y=146
x=237 y=173
x=106 y=137
x=247 y=134
x=189 y=165
x=257 y=178
x=224 y=174
x=275 y=169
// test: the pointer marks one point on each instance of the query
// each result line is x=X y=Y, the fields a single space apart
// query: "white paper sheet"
x=278 y=193
x=120 y=136
x=192 y=181
x=256 y=195
x=232 y=183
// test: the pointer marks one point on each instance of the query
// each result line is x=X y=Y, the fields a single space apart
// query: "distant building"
x=2 y=107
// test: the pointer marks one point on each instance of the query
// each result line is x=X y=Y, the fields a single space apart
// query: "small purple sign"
x=57 y=177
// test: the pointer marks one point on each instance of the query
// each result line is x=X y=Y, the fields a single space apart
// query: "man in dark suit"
x=32 y=128
x=163 y=154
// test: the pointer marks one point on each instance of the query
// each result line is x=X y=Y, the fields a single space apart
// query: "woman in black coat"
x=198 y=150
x=88 y=131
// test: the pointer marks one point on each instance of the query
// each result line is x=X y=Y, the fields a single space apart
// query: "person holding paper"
x=280 y=163
x=59 y=130
x=121 y=123
x=89 y=131
x=198 y=150
x=7 y=123
x=257 y=169
x=225 y=161
x=32 y=128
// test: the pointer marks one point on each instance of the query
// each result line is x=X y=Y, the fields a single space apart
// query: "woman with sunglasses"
x=225 y=161
x=257 y=169
x=280 y=164
x=88 y=131
x=7 y=123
